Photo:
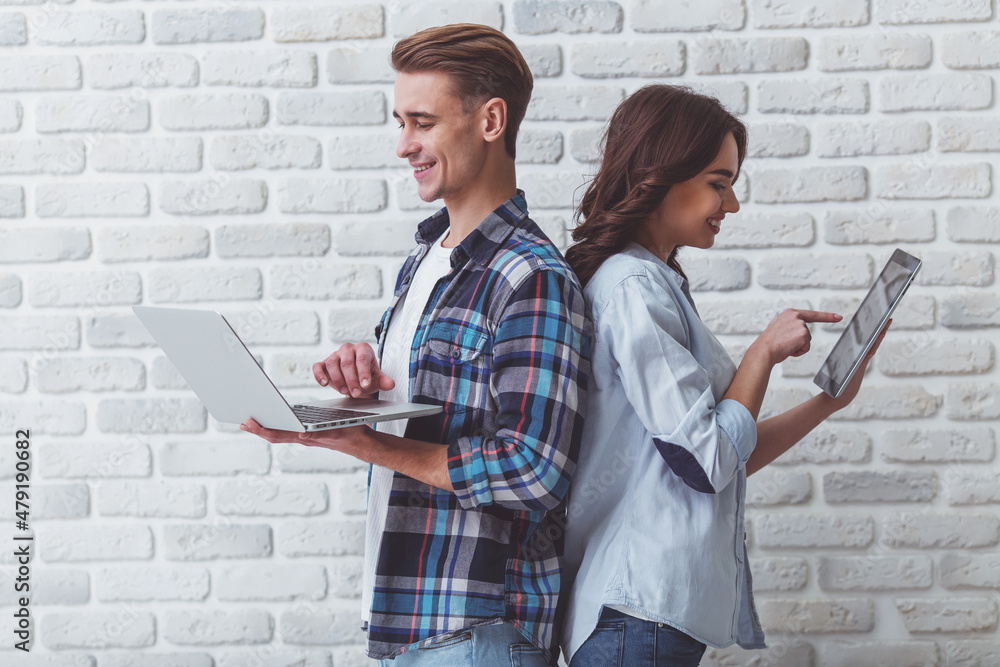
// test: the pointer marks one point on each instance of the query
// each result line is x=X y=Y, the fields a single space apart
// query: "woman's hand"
x=851 y=390
x=788 y=336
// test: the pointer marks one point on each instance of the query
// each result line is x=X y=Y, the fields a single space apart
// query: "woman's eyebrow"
x=722 y=172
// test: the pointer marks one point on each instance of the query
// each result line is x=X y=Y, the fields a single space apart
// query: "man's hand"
x=333 y=438
x=353 y=370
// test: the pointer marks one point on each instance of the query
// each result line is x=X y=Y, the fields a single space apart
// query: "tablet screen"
x=869 y=319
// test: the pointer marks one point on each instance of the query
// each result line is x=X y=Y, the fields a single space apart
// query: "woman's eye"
x=719 y=186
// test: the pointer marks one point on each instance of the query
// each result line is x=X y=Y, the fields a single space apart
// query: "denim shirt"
x=655 y=514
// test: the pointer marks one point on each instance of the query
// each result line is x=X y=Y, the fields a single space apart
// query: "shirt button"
x=456 y=353
x=659 y=625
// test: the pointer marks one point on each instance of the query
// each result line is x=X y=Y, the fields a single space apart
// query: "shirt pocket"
x=458 y=343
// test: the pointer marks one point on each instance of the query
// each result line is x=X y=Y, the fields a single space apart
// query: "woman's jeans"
x=620 y=640
x=497 y=645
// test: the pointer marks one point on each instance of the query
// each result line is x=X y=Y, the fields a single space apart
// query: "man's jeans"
x=497 y=645
x=621 y=640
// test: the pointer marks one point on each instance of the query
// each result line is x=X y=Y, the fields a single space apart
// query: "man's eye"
x=423 y=126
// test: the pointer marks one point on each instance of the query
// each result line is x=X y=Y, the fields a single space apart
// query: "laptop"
x=220 y=369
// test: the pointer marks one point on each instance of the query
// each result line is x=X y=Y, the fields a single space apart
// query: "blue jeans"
x=497 y=645
x=620 y=640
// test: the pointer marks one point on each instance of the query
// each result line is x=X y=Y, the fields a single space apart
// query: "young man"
x=488 y=321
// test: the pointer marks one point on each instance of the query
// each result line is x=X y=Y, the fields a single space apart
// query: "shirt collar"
x=482 y=244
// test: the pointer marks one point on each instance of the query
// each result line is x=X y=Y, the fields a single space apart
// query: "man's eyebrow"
x=414 y=114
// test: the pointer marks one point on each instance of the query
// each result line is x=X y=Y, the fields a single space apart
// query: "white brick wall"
x=242 y=157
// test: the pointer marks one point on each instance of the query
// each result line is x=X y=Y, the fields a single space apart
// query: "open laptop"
x=220 y=369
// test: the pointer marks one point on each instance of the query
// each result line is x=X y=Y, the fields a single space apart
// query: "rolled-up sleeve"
x=705 y=442
x=541 y=361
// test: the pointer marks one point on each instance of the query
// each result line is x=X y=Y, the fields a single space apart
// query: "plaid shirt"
x=504 y=346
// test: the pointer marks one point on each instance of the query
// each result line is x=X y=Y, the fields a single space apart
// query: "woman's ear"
x=495 y=111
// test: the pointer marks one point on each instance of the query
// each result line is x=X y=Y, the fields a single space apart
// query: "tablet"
x=871 y=316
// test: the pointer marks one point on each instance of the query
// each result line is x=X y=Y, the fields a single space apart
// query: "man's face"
x=440 y=141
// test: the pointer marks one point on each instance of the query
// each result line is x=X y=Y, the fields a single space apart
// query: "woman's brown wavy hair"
x=659 y=136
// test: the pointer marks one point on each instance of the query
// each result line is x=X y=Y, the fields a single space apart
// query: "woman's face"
x=691 y=214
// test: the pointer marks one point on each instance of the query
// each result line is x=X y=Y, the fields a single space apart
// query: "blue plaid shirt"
x=503 y=346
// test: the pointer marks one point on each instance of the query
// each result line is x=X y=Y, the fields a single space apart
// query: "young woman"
x=655 y=533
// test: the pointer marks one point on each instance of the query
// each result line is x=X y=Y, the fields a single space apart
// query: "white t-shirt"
x=396 y=364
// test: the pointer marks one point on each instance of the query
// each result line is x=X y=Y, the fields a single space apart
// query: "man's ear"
x=495 y=117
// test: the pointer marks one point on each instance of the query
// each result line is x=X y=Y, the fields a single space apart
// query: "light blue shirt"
x=655 y=513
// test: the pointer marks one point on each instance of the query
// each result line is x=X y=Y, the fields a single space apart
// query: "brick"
x=157 y=242
x=810 y=96
x=11 y=201
x=560 y=189
x=121 y=629
x=913 y=181
x=948 y=615
x=91 y=200
x=61 y=587
x=368 y=150
x=539 y=146
x=971 y=653
x=44 y=244
x=717 y=273
x=956 y=268
x=824 y=531
x=215 y=458
x=332 y=195
x=361 y=107
x=817 y=616
x=66 y=544
x=614 y=59
x=408 y=199
x=176 y=415
x=745 y=316
x=353 y=494
x=272 y=240
x=973 y=401
x=272 y=152
x=164 y=375
x=872 y=52
x=13 y=29
x=810 y=184
x=778 y=654
x=146 y=584
x=925 y=356
x=970 y=311
x=60 y=375
x=280 y=659
x=366 y=238
x=961 y=571
x=778 y=140
x=199 y=542
x=225 y=111
x=966 y=445
x=89 y=28
x=344 y=577
x=13 y=376
x=104 y=460
x=39 y=72
x=935 y=92
x=41 y=156
x=59 y=501
x=109 y=71
x=156 y=660
x=188 y=285
x=322 y=627
x=972 y=487
x=779 y=574
x=853 y=227
x=556 y=228
x=291 y=458
x=152 y=499
x=544 y=60
x=252 y=583
x=186 y=26
x=796 y=271
x=875 y=487
x=551 y=102
x=321 y=538
x=648 y=16
x=360 y=63
x=535 y=17
x=215 y=628
x=324 y=23
x=143 y=154
x=280 y=69
x=268 y=326
x=260 y=497
x=874 y=573
x=85 y=288
x=10 y=291
x=11 y=115
x=91 y=113
x=292 y=370
x=971 y=50
x=117 y=331
x=902 y=12
x=733 y=95
x=39 y=332
x=809 y=14
x=213 y=196
x=911 y=654
x=760 y=54
x=968 y=135
x=46 y=417
x=585 y=143
x=890 y=402
x=771 y=230
x=778 y=487
x=887 y=137
x=56 y=660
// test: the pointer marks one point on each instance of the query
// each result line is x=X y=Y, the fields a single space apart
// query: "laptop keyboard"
x=313 y=415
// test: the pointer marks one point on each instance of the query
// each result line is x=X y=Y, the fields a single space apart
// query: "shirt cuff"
x=734 y=418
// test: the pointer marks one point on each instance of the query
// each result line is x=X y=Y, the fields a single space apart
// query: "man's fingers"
x=818 y=316
x=319 y=372
x=365 y=365
x=349 y=369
